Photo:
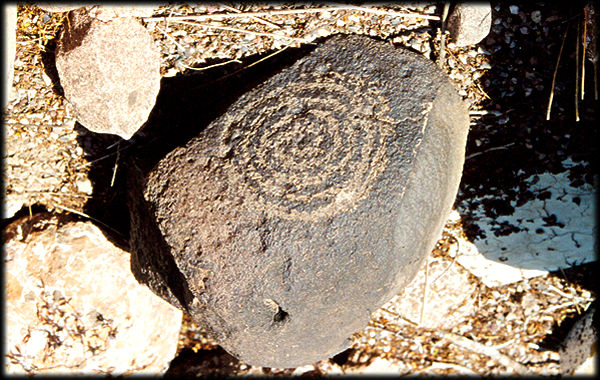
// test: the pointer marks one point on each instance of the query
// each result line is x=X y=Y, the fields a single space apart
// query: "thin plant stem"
x=583 y=57
x=443 y=36
x=238 y=30
x=258 y=19
x=577 y=73
x=294 y=11
x=562 y=45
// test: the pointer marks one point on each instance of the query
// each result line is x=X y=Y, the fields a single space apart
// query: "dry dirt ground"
x=52 y=163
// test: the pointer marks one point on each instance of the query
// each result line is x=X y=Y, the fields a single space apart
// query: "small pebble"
x=514 y=9
x=536 y=16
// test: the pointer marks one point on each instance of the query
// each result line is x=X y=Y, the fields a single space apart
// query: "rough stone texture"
x=108 y=12
x=469 y=23
x=311 y=202
x=110 y=72
x=10 y=38
x=72 y=305
x=580 y=342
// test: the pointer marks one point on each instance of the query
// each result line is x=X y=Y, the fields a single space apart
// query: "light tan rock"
x=469 y=23
x=73 y=306
x=109 y=12
x=110 y=72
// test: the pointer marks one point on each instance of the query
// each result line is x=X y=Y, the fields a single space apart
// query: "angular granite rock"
x=307 y=205
x=469 y=23
x=110 y=72
x=73 y=306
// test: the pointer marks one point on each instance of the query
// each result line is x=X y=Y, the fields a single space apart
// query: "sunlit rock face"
x=307 y=205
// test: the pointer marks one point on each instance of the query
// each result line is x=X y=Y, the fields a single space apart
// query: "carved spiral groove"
x=312 y=148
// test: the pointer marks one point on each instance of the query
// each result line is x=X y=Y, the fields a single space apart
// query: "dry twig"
x=488 y=150
x=555 y=72
x=261 y=20
x=87 y=216
x=577 y=73
x=491 y=352
x=294 y=11
x=112 y=180
x=238 y=30
x=443 y=37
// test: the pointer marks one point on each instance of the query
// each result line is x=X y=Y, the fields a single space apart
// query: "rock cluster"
x=109 y=69
x=469 y=23
x=72 y=305
x=308 y=204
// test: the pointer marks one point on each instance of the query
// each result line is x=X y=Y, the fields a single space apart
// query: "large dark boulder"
x=307 y=205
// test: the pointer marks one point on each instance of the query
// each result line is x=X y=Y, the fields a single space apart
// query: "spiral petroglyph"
x=313 y=199
x=306 y=164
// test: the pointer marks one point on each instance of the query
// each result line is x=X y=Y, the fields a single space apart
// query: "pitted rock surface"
x=110 y=72
x=307 y=205
x=580 y=342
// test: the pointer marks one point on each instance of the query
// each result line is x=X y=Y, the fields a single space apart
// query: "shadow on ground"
x=514 y=140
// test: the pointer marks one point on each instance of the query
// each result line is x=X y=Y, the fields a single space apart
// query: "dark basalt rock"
x=307 y=205
x=580 y=342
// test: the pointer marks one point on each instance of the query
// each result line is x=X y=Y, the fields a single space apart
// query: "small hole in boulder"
x=280 y=316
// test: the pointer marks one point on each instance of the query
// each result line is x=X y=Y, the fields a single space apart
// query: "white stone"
x=528 y=254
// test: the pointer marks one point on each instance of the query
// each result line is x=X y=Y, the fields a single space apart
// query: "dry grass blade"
x=114 y=175
x=181 y=48
x=488 y=150
x=88 y=217
x=577 y=73
x=213 y=66
x=254 y=63
x=238 y=30
x=562 y=45
x=443 y=37
x=583 y=40
x=492 y=352
x=384 y=13
x=295 y=11
x=258 y=19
